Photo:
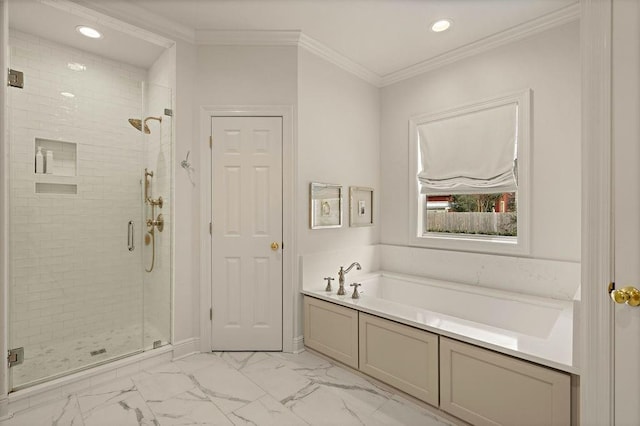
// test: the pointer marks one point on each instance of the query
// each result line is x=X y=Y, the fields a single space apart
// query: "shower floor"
x=46 y=362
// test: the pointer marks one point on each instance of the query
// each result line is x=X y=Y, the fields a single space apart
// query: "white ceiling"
x=383 y=36
x=56 y=23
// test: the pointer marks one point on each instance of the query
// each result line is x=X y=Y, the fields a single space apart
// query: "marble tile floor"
x=73 y=353
x=234 y=388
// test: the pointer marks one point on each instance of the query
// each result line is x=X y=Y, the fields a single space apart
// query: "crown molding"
x=248 y=37
x=285 y=38
x=129 y=18
x=519 y=32
x=339 y=60
x=119 y=15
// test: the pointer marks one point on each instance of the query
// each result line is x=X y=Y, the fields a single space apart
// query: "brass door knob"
x=629 y=295
x=275 y=246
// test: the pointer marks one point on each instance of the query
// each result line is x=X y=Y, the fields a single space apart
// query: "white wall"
x=246 y=75
x=186 y=291
x=233 y=75
x=547 y=63
x=338 y=142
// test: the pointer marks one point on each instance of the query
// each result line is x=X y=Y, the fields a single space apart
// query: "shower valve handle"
x=156 y=202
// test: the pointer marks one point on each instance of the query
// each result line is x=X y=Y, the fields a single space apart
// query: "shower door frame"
x=291 y=305
x=4 y=209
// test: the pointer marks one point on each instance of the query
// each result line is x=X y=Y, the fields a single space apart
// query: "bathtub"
x=533 y=328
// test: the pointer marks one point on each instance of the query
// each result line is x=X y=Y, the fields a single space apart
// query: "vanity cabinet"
x=399 y=355
x=474 y=384
x=332 y=330
x=486 y=388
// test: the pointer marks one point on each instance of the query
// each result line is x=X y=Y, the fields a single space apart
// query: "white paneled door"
x=626 y=176
x=246 y=198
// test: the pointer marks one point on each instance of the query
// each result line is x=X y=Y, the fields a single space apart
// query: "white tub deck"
x=528 y=327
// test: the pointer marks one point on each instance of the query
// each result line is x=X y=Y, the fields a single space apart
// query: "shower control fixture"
x=147 y=199
x=139 y=124
x=158 y=223
x=152 y=224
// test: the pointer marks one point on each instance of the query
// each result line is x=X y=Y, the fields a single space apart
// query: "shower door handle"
x=131 y=237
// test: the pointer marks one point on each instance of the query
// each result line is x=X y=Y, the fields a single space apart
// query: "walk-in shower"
x=79 y=295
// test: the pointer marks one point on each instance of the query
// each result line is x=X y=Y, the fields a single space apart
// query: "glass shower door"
x=75 y=257
x=158 y=203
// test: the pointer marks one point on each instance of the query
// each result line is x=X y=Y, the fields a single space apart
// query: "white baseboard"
x=298 y=344
x=186 y=347
x=4 y=409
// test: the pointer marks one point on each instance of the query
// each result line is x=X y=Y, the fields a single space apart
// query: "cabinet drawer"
x=402 y=356
x=486 y=388
x=331 y=330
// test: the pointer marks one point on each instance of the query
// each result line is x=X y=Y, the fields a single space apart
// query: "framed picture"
x=325 y=205
x=360 y=206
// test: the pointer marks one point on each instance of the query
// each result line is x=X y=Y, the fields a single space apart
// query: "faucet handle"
x=329 y=279
x=355 y=294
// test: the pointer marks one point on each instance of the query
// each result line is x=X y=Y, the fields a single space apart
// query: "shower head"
x=138 y=124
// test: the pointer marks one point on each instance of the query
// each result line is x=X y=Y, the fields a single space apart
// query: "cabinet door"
x=332 y=330
x=399 y=355
x=486 y=388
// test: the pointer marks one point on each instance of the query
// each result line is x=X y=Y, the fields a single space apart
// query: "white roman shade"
x=475 y=152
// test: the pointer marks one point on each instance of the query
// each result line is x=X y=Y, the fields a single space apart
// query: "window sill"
x=513 y=246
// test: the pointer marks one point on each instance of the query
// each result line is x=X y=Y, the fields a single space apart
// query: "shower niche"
x=58 y=173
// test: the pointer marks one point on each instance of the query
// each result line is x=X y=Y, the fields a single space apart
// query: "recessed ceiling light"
x=76 y=66
x=441 y=25
x=88 y=32
x=68 y=94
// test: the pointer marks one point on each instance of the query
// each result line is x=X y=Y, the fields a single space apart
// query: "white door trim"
x=289 y=208
x=596 y=331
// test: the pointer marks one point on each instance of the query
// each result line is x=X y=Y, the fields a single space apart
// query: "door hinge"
x=210 y=228
x=16 y=79
x=282 y=246
x=210 y=314
x=15 y=357
x=211 y=141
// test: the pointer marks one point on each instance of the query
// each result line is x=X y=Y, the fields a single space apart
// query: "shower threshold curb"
x=62 y=387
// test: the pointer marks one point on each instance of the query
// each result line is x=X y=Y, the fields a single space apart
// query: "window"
x=469 y=176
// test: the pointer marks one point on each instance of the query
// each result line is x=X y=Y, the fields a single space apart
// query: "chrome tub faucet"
x=341 y=273
x=355 y=294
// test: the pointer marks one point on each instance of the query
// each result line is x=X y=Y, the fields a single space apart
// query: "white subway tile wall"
x=71 y=272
